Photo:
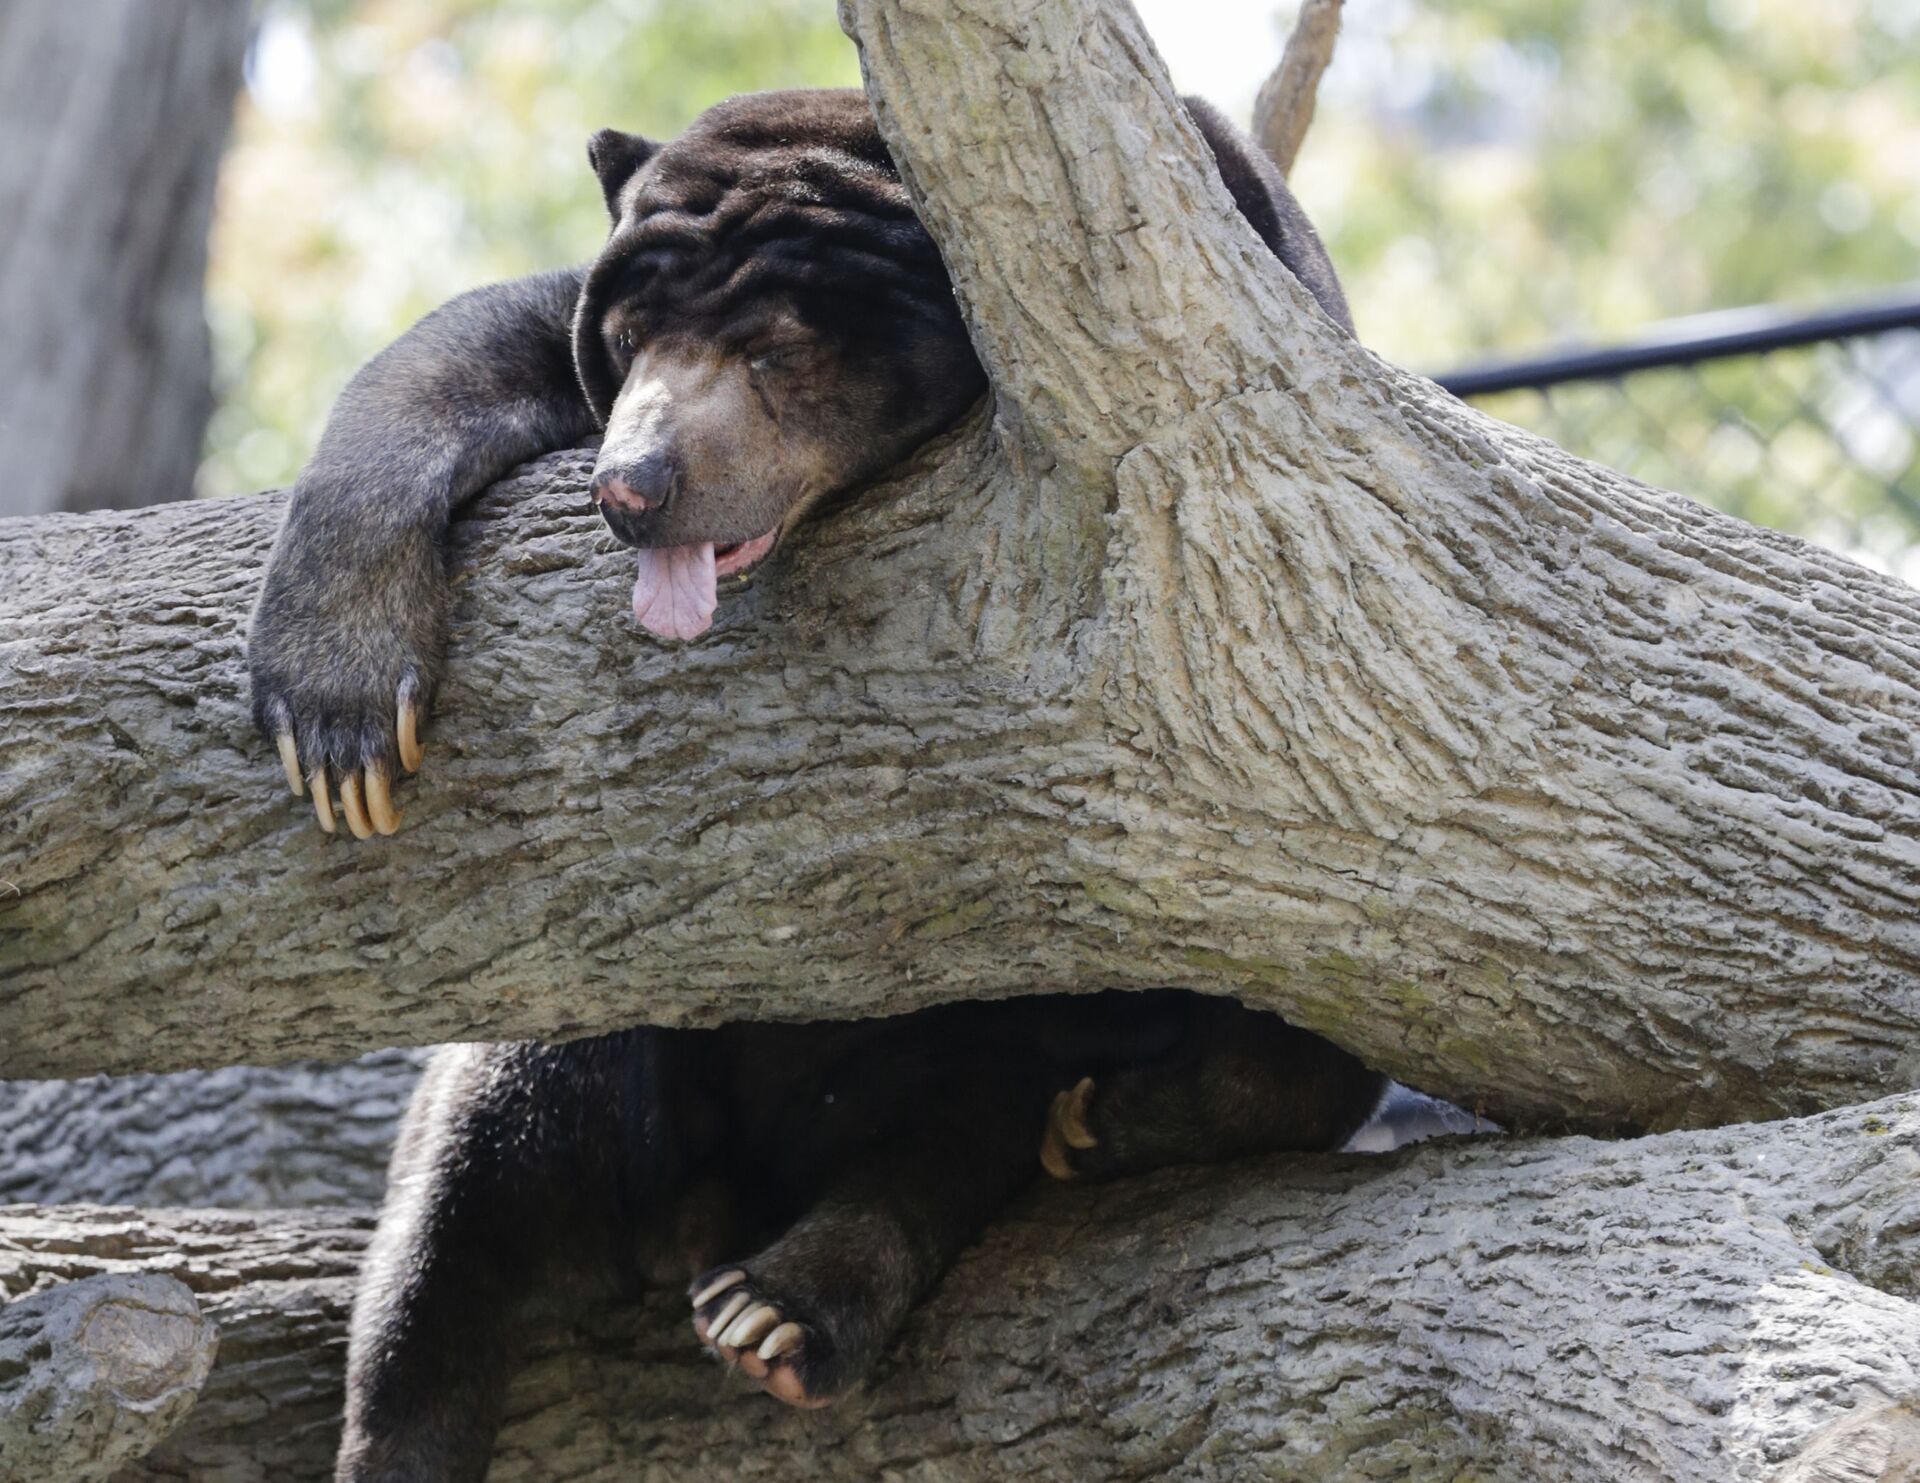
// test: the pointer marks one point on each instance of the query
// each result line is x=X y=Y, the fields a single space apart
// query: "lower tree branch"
x=240 y=1137
x=1703 y=1306
x=94 y=1372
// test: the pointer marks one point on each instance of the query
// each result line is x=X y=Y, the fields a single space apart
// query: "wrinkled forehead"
x=803 y=145
x=771 y=209
x=727 y=232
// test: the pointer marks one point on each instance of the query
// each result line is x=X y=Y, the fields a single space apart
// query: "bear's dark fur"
x=810 y=1182
x=768 y=323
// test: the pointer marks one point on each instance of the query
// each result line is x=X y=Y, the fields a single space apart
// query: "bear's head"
x=768 y=323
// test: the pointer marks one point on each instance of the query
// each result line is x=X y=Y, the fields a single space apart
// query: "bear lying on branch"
x=768 y=325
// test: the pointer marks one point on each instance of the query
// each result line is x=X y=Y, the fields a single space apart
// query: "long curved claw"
x=729 y=1310
x=290 y=760
x=354 y=806
x=1067 y=1129
x=322 y=799
x=406 y=730
x=1073 y=1116
x=1053 y=1156
x=720 y=1284
x=751 y=1327
x=380 y=809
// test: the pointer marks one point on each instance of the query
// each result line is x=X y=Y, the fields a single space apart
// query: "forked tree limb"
x=1217 y=653
x=1690 y=1308
x=1283 y=109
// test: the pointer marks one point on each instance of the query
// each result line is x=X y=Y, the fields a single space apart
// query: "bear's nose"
x=639 y=485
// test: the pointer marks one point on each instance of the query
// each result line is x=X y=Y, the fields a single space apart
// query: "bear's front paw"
x=757 y=1333
x=342 y=663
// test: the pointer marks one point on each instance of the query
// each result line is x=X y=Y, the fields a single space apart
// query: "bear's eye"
x=776 y=360
x=764 y=375
x=620 y=345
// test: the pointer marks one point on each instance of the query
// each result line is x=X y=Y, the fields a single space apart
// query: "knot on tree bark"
x=96 y=1372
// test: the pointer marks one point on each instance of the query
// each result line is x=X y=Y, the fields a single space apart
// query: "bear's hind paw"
x=753 y=1334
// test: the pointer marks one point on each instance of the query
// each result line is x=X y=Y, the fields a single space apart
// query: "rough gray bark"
x=1729 y=1305
x=241 y=1137
x=1220 y=654
x=94 y=1372
x=114 y=113
x=1284 y=107
x=276 y=1285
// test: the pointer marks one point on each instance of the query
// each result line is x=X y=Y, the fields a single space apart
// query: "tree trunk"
x=1735 y=1304
x=114 y=113
x=241 y=1137
x=94 y=1373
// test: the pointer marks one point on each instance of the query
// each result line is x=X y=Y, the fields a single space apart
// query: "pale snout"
x=690 y=455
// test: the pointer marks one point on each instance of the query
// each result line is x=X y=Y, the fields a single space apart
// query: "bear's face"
x=768 y=323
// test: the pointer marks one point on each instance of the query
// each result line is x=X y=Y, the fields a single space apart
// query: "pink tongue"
x=673 y=592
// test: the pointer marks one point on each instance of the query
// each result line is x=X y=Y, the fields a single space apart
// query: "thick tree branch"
x=1431 y=1314
x=95 y=1372
x=1373 y=631
x=1284 y=107
x=1250 y=664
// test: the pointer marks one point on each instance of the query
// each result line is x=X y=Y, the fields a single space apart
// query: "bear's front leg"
x=348 y=631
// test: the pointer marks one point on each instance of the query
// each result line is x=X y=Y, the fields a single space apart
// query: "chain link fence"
x=1806 y=422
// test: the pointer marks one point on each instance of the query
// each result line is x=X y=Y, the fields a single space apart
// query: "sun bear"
x=768 y=324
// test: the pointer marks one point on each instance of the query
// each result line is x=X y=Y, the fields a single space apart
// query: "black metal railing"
x=1805 y=421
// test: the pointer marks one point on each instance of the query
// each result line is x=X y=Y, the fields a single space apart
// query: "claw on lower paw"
x=751 y=1327
x=783 y=1339
x=322 y=799
x=380 y=809
x=729 y=1311
x=354 y=806
x=290 y=760
x=406 y=731
x=719 y=1285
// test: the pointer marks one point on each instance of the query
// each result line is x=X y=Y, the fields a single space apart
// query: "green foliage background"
x=441 y=144
x=1490 y=175
x=1496 y=174
x=1504 y=175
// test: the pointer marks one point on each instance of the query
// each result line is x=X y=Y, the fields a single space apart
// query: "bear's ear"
x=615 y=156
